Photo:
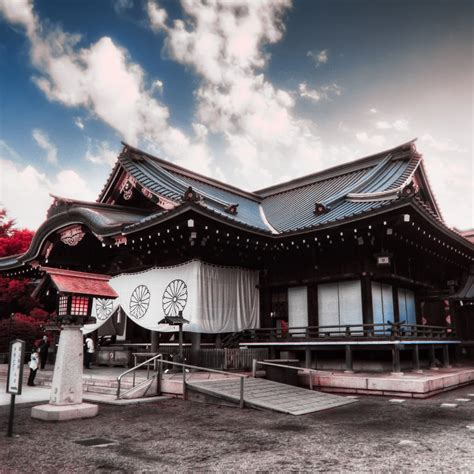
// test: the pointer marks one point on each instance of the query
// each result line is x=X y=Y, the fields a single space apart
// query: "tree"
x=21 y=316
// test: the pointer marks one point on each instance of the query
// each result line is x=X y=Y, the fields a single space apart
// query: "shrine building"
x=359 y=252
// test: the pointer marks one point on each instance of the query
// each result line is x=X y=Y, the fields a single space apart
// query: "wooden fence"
x=221 y=359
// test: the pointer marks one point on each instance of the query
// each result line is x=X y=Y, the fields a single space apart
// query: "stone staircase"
x=95 y=385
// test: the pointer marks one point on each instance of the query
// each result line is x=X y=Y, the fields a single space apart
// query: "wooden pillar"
x=195 y=346
x=313 y=317
x=416 y=359
x=308 y=359
x=349 y=361
x=155 y=341
x=367 y=309
x=446 y=363
x=218 y=341
x=396 y=308
x=396 y=368
x=432 y=357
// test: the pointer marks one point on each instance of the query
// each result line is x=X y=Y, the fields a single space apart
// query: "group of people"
x=39 y=356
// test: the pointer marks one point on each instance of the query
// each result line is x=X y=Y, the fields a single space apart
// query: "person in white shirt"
x=89 y=352
x=33 y=365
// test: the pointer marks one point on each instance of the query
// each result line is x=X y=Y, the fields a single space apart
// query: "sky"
x=249 y=92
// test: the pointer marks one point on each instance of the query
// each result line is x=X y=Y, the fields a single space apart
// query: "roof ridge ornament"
x=232 y=209
x=320 y=209
x=191 y=196
x=410 y=190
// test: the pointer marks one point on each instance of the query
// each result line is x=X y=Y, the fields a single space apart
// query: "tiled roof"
x=68 y=281
x=346 y=191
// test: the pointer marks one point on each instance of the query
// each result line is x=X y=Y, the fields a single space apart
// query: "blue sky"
x=251 y=93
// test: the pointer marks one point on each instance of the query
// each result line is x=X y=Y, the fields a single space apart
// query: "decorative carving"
x=139 y=301
x=120 y=239
x=191 y=195
x=127 y=187
x=72 y=235
x=409 y=190
x=175 y=298
x=147 y=194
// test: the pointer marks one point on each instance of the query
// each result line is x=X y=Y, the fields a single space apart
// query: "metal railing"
x=256 y=362
x=350 y=331
x=134 y=369
x=157 y=361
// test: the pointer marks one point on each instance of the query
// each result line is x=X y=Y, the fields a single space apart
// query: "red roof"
x=93 y=284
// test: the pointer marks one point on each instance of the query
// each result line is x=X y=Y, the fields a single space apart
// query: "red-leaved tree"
x=21 y=316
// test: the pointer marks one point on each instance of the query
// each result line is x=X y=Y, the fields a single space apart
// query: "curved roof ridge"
x=336 y=170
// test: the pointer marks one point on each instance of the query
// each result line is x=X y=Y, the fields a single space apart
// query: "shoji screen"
x=298 y=307
x=340 y=303
x=406 y=303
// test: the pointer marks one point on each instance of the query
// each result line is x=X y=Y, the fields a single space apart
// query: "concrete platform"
x=64 y=412
x=409 y=385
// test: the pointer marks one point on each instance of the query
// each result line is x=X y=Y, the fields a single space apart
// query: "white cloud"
x=442 y=144
x=318 y=57
x=320 y=93
x=223 y=43
x=121 y=6
x=24 y=191
x=365 y=138
x=44 y=142
x=400 y=125
x=94 y=78
x=373 y=110
x=79 y=123
x=7 y=150
x=158 y=16
x=101 y=153
x=157 y=85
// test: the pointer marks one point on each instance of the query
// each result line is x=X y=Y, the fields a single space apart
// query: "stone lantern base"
x=65 y=401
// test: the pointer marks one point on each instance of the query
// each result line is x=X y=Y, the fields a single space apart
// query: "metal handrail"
x=189 y=366
x=133 y=369
x=256 y=362
x=184 y=367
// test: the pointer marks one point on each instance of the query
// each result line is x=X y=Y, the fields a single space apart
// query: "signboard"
x=15 y=367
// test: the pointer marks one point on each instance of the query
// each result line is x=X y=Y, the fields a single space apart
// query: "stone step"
x=98 y=389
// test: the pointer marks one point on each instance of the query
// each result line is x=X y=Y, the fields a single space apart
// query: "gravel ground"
x=170 y=436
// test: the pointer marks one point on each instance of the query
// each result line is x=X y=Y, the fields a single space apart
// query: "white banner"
x=213 y=299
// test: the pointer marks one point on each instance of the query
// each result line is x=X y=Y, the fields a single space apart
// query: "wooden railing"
x=351 y=331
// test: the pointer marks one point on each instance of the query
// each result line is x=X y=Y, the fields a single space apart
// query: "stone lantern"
x=75 y=294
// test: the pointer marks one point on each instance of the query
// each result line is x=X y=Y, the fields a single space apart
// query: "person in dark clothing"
x=33 y=365
x=44 y=348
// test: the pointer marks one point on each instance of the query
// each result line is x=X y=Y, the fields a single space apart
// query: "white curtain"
x=213 y=299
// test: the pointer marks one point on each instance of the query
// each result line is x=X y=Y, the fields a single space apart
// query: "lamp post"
x=76 y=291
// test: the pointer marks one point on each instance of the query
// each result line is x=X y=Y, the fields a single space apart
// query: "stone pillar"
x=66 y=388
x=66 y=391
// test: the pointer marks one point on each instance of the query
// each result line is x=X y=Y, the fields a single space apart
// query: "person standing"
x=43 y=351
x=89 y=354
x=33 y=365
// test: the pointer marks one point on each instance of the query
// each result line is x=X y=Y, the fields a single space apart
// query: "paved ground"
x=168 y=436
